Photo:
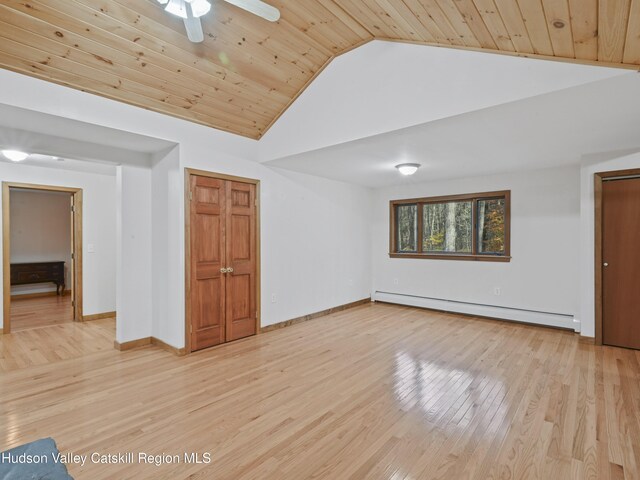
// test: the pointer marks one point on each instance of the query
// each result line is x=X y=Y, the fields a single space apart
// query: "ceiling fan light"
x=163 y=2
x=408 y=168
x=177 y=8
x=15 y=155
x=200 y=7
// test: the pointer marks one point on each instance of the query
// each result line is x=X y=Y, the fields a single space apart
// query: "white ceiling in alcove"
x=81 y=144
x=59 y=163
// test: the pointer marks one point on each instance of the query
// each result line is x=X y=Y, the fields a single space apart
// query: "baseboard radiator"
x=558 y=320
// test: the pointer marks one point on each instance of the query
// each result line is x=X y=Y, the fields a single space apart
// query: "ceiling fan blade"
x=194 y=29
x=259 y=8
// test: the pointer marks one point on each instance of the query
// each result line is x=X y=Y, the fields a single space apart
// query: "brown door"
x=207 y=260
x=621 y=262
x=241 y=252
x=223 y=261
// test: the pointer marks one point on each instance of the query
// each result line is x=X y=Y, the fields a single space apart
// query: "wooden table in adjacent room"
x=39 y=272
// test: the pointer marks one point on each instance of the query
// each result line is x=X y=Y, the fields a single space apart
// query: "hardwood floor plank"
x=37 y=312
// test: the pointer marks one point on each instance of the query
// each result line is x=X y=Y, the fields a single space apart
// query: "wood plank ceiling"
x=248 y=71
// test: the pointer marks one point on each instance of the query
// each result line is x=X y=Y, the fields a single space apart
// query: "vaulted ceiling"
x=248 y=71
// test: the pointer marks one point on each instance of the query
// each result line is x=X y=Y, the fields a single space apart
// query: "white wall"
x=133 y=253
x=587 y=234
x=40 y=232
x=543 y=273
x=98 y=222
x=168 y=240
x=320 y=230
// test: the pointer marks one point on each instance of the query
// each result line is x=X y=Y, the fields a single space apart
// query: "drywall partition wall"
x=98 y=223
x=134 y=251
x=167 y=287
x=542 y=275
x=315 y=244
x=587 y=233
x=40 y=232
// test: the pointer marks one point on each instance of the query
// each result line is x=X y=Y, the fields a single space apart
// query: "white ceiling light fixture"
x=191 y=10
x=408 y=168
x=15 y=155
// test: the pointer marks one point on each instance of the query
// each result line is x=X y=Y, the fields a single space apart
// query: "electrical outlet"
x=91 y=248
x=395 y=281
x=497 y=291
x=351 y=282
x=273 y=298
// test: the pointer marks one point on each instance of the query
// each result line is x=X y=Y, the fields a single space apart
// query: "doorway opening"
x=42 y=255
x=222 y=258
x=617 y=258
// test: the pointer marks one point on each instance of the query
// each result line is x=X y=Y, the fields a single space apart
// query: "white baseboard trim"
x=504 y=313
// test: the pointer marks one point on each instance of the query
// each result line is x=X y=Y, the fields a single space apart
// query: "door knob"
x=230 y=270
x=223 y=270
x=605 y=264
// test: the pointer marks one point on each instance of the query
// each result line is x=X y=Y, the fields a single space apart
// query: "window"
x=461 y=227
x=407 y=231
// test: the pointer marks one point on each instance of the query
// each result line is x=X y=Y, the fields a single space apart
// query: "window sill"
x=473 y=258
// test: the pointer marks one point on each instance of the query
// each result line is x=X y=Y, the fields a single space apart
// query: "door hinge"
x=72 y=256
x=191 y=328
x=190 y=195
x=73 y=209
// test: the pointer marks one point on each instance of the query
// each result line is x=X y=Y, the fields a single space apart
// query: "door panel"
x=241 y=256
x=621 y=259
x=207 y=227
x=207 y=259
x=207 y=194
x=241 y=233
x=242 y=317
x=207 y=319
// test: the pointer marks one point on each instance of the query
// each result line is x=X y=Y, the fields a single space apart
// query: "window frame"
x=474 y=255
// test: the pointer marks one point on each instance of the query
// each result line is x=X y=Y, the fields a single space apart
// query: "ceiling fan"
x=191 y=11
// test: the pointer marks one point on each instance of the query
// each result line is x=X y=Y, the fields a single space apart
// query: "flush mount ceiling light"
x=191 y=10
x=15 y=155
x=408 y=168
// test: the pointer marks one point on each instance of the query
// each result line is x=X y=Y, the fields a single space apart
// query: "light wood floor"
x=40 y=311
x=46 y=346
x=375 y=392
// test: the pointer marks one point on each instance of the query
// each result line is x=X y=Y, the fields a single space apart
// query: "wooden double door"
x=223 y=260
